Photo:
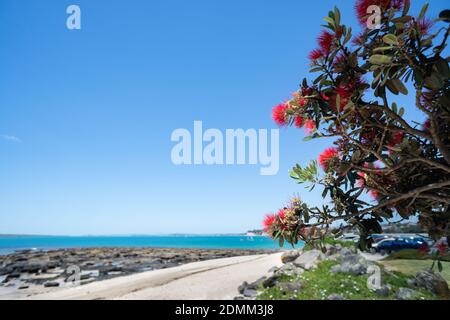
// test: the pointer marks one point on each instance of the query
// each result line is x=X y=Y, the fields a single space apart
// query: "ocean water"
x=10 y=244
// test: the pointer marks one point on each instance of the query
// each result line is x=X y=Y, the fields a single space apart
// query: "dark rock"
x=271 y=281
x=107 y=269
x=22 y=287
x=250 y=293
x=14 y=275
x=32 y=268
x=383 y=291
x=242 y=287
x=290 y=256
x=51 y=284
x=433 y=282
x=251 y=286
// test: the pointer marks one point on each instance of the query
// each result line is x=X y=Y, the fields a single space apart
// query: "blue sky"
x=86 y=115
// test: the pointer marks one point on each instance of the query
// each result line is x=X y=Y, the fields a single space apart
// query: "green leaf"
x=379 y=49
x=423 y=11
x=337 y=16
x=434 y=82
x=390 y=39
x=390 y=85
x=399 y=86
x=401 y=112
x=329 y=20
x=338 y=103
x=394 y=107
x=380 y=59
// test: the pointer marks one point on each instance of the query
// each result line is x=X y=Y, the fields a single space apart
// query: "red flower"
x=358 y=40
x=396 y=139
x=279 y=114
x=298 y=122
x=425 y=25
x=442 y=248
x=325 y=41
x=326 y=157
x=269 y=220
x=315 y=55
x=426 y=125
x=281 y=214
x=344 y=92
x=310 y=126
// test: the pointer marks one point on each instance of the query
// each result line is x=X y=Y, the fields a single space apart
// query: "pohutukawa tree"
x=383 y=165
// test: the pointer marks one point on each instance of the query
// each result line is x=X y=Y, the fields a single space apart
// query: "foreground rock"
x=309 y=259
x=433 y=282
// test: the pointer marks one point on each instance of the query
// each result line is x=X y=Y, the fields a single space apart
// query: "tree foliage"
x=403 y=164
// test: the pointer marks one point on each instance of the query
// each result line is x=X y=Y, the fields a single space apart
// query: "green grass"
x=319 y=283
x=411 y=267
x=413 y=254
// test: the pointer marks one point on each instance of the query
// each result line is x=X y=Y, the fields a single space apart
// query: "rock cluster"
x=349 y=261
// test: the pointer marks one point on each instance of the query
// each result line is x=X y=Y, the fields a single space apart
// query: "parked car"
x=396 y=244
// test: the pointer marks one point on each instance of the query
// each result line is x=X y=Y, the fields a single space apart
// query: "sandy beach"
x=213 y=279
x=132 y=273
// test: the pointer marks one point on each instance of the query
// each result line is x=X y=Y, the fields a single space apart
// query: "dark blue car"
x=397 y=244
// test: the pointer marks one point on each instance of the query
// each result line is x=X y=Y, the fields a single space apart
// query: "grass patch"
x=411 y=267
x=412 y=254
x=319 y=283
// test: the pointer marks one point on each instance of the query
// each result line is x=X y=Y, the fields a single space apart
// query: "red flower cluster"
x=279 y=114
x=345 y=92
x=272 y=221
x=326 y=156
x=325 y=42
x=425 y=25
x=310 y=126
x=426 y=125
x=298 y=122
x=269 y=220
x=396 y=139
x=442 y=248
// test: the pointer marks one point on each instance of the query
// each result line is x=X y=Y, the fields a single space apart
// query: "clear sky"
x=86 y=115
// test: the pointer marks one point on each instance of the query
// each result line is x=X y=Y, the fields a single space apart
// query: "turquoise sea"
x=9 y=244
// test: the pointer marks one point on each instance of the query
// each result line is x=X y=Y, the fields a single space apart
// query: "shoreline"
x=26 y=273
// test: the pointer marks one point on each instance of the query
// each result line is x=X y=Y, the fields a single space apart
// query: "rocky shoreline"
x=288 y=279
x=28 y=272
